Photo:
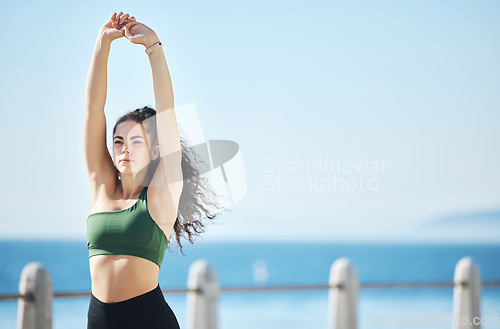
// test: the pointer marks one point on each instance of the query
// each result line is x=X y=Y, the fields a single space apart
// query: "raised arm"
x=100 y=166
x=168 y=132
x=169 y=171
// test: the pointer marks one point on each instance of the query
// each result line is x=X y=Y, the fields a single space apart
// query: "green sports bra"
x=130 y=231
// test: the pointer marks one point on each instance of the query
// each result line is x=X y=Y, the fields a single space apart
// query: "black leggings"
x=146 y=311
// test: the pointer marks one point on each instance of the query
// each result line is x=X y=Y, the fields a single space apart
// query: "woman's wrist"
x=103 y=43
x=151 y=41
x=103 y=38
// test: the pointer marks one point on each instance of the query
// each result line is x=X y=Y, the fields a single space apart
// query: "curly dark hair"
x=196 y=190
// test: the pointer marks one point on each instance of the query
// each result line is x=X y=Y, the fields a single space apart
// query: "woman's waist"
x=120 y=277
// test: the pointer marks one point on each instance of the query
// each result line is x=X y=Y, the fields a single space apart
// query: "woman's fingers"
x=123 y=18
x=127 y=28
x=117 y=18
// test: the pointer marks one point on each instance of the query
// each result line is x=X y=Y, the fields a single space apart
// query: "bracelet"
x=153 y=47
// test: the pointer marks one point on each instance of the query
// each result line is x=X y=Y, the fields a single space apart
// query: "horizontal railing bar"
x=366 y=285
x=383 y=285
x=274 y=288
x=87 y=293
x=11 y=296
x=490 y=284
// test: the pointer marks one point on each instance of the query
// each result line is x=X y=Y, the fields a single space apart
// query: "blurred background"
x=368 y=129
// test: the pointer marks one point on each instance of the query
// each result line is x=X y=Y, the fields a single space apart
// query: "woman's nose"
x=125 y=148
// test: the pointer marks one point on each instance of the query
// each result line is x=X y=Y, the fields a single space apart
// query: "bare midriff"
x=116 y=278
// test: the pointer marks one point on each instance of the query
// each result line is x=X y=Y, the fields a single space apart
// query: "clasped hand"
x=124 y=25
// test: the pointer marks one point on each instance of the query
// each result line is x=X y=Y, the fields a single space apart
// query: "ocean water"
x=268 y=264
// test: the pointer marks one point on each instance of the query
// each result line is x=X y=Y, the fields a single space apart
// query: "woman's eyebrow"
x=133 y=137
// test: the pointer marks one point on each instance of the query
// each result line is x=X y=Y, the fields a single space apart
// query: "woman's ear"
x=155 y=153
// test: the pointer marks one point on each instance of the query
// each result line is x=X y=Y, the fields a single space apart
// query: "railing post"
x=35 y=311
x=202 y=305
x=466 y=295
x=342 y=295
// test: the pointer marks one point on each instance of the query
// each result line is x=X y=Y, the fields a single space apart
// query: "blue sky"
x=411 y=83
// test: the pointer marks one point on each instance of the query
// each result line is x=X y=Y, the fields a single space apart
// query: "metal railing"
x=365 y=285
x=35 y=295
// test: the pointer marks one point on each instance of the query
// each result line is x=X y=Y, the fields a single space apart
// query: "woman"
x=139 y=194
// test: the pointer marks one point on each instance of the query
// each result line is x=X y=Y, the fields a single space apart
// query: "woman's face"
x=130 y=150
